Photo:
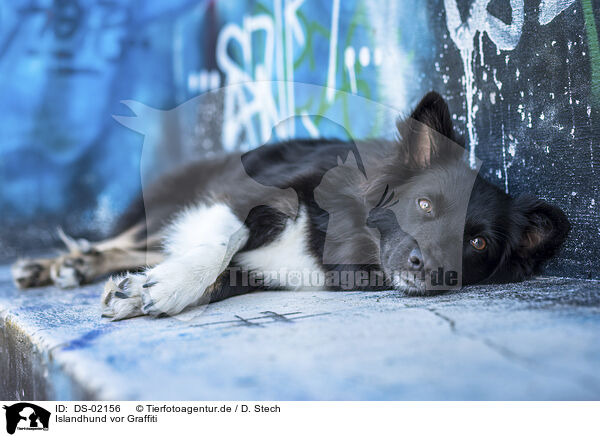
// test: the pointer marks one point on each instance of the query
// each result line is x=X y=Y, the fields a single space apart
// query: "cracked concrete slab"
x=535 y=340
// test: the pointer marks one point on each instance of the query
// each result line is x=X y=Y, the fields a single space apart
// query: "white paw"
x=136 y=294
x=165 y=290
x=122 y=297
x=65 y=272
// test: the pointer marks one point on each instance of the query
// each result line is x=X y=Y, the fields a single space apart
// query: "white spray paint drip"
x=504 y=165
x=349 y=61
x=589 y=114
x=467 y=58
x=496 y=81
x=333 y=50
x=463 y=34
x=504 y=36
x=572 y=133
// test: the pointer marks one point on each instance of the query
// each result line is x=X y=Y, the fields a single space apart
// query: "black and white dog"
x=408 y=214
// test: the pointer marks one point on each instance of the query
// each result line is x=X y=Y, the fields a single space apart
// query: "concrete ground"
x=534 y=340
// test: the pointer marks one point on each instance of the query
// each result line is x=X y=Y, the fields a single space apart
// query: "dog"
x=407 y=214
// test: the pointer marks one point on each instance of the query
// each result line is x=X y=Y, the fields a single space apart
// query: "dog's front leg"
x=200 y=245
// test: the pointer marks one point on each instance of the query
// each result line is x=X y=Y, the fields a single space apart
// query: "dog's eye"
x=478 y=243
x=425 y=205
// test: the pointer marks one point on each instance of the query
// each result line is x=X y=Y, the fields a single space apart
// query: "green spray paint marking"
x=312 y=28
x=593 y=46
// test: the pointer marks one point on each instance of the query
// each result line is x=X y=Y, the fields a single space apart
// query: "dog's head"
x=442 y=225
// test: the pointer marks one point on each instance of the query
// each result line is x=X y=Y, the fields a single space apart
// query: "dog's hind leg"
x=29 y=273
x=200 y=245
x=86 y=261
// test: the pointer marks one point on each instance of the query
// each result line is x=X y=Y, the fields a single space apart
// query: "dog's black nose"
x=415 y=259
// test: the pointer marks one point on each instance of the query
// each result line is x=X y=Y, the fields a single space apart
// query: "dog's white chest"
x=286 y=261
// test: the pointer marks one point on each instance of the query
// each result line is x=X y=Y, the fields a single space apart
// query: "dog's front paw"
x=127 y=296
x=122 y=297
x=28 y=273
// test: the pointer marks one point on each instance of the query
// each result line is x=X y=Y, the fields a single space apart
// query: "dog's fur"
x=319 y=206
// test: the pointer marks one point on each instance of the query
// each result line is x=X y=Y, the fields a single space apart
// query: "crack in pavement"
x=512 y=356
x=502 y=350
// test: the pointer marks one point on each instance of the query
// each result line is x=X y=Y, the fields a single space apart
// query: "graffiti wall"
x=522 y=78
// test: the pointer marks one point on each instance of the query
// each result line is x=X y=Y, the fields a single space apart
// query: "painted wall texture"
x=522 y=78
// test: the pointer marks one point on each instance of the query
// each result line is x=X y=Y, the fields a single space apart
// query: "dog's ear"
x=428 y=134
x=544 y=228
x=433 y=111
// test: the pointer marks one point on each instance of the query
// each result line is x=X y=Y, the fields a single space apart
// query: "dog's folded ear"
x=428 y=134
x=544 y=228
